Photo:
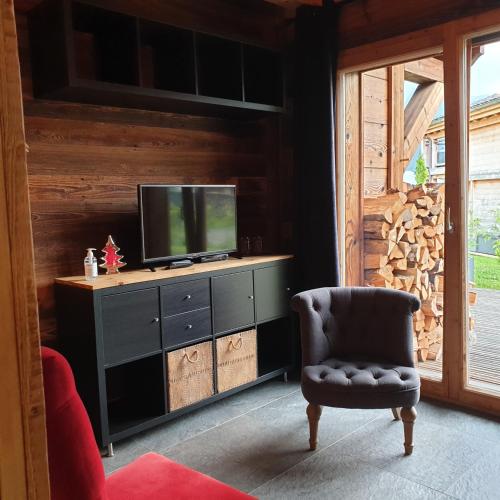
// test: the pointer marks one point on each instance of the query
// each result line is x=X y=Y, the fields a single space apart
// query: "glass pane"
x=403 y=206
x=483 y=336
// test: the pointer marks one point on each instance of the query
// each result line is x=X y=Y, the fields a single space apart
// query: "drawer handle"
x=236 y=346
x=156 y=320
x=193 y=358
x=188 y=327
x=250 y=297
x=187 y=297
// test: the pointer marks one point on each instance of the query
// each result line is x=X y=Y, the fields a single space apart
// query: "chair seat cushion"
x=154 y=477
x=358 y=384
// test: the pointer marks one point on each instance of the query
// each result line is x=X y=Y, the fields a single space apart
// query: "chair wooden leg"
x=396 y=412
x=408 y=416
x=313 y=415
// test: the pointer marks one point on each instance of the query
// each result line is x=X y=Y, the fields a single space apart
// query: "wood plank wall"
x=85 y=163
x=375 y=131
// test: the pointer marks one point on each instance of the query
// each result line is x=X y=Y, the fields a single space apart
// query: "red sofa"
x=76 y=470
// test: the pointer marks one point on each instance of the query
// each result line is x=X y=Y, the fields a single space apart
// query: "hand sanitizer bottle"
x=90 y=264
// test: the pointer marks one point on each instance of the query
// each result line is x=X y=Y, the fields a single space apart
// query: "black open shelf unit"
x=88 y=54
x=167 y=58
x=135 y=393
x=105 y=45
x=275 y=349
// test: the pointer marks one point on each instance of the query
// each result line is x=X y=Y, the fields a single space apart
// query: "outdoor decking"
x=484 y=352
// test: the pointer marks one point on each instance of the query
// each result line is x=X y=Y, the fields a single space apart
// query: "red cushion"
x=75 y=464
x=154 y=477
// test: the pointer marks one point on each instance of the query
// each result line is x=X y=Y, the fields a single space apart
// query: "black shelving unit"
x=116 y=338
x=87 y=54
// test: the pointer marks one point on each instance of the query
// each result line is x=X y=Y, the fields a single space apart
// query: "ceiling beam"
x=424 y=70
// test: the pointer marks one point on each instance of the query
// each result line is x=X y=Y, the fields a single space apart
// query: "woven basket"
x=236 y=360
x=190 y=375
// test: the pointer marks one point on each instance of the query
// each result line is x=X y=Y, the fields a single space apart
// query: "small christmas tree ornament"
x=112 y=260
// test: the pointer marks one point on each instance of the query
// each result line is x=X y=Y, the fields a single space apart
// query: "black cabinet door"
x=233 y=302
x=272 y=292
x=131 y=325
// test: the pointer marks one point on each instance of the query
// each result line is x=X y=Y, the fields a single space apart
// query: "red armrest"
x=154 y=477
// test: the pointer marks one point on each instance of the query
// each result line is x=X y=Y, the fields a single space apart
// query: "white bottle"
x=90 y=264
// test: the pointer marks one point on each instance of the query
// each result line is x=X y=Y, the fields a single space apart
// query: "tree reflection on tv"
x=180 y=221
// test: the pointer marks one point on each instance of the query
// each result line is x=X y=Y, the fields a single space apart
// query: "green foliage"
x=475 y=231
x=487 y=272
x=496 y=232
x=421 y=171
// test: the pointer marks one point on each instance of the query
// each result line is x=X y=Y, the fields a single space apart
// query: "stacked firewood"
x=404 y=250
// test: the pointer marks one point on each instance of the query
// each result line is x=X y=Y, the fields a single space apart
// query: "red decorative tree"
x=112 y=260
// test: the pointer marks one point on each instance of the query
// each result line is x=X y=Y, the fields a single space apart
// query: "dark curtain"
x=316 y=228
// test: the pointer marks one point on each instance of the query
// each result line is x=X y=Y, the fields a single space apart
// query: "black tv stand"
x=215 y=258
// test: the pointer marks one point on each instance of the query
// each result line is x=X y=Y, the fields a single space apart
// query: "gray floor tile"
x=324 y=476
x=440 y=456
x=126 y=451
x=481 y=481
x=463 y=421
x=180 y=429
x=258 y=441
x=171 y=433
x=261 y=444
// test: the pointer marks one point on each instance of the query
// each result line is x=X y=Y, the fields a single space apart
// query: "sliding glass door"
x=482 y=183
x=421 y=196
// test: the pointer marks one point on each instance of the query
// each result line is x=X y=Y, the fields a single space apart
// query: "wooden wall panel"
x=366 y=21
x=375 y=118
x=85 y=163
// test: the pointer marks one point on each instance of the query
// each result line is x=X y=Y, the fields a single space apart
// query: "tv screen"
x=186 y=221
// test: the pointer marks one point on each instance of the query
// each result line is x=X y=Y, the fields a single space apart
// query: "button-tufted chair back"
x=358 y=323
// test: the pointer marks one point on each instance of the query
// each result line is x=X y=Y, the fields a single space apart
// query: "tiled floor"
x=257 y=442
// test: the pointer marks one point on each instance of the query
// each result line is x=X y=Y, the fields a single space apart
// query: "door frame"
x=23 y=449
x=450 y=39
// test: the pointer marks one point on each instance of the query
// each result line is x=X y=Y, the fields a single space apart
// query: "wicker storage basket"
x=190 y=375
x=236 y=360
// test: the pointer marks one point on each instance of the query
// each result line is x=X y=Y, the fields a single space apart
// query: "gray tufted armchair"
x=357 y=352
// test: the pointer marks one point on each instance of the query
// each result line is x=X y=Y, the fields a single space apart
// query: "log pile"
x=404 y=250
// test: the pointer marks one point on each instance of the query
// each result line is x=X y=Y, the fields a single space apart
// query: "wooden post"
x=23 y=453
x=396 y=119
x=353 y=182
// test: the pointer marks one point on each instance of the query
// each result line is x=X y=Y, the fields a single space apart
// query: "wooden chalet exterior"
x=484 y=163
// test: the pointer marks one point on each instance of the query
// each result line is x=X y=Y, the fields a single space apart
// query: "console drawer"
x=183 y=297
x=186 y=327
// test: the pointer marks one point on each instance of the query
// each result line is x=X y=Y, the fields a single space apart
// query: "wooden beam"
x=23 y=453
x=353 y=182
x=396 y=108
x=425 y=70
x=419 y=113
x=366 y=21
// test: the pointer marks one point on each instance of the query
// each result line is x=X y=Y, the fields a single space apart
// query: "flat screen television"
x=179 y=222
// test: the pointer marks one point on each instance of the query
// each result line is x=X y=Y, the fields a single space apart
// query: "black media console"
x=116 y=333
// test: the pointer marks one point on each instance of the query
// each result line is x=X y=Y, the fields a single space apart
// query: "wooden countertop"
x=144 y=275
